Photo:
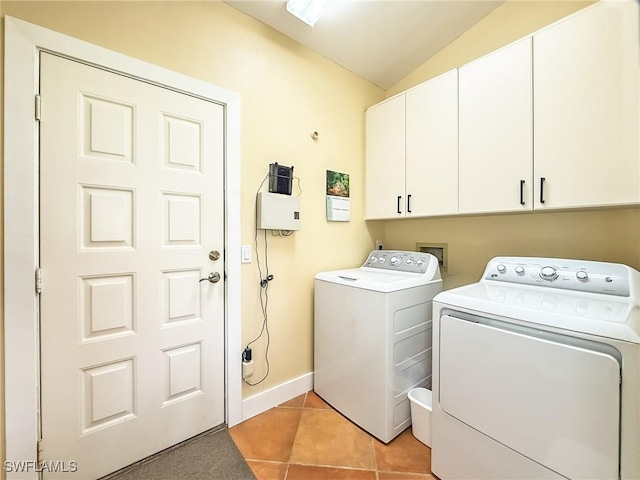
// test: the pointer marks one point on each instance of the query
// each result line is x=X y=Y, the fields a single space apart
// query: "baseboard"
x=263 y=401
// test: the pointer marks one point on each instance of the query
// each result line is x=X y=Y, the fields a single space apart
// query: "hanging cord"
x=299 y=186
x=264 y=289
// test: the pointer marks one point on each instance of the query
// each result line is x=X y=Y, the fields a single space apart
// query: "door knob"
x=214 y=255
x=213 y=277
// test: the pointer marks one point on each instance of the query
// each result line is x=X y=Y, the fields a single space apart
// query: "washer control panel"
x=399 y=261
x=566 y=274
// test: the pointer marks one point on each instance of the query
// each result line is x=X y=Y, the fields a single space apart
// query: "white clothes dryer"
x=372 y=337
x=536 y=372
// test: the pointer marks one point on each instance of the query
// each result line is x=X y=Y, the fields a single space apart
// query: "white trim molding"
x=263 y=401
x=23 y=41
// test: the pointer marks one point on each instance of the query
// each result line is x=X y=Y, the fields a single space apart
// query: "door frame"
x=23 y=42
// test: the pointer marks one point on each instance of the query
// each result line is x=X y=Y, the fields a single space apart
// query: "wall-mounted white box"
x=278 y=212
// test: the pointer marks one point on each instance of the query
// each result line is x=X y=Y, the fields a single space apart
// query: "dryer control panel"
x=566 y=274
x=400 y=261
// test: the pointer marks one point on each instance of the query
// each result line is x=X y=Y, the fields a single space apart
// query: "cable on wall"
x=264 y=289
x=265 y=278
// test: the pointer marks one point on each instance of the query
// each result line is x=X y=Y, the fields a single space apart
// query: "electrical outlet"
x=247 y=369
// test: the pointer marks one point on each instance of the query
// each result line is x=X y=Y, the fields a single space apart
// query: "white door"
x=132 y=344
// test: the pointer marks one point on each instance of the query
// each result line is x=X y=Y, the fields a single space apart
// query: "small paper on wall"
x=338 y=202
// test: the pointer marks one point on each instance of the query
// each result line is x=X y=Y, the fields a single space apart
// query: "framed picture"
x=338 y=202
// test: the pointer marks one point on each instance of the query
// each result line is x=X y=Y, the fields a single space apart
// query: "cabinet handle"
x=399 y=198
x=542 y=179
x=408 y=203
x=521 y=192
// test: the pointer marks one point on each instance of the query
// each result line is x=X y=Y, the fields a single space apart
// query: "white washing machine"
x=536 y=372
x=373 y=337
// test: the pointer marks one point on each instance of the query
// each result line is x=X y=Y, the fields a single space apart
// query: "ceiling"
x=382 y=41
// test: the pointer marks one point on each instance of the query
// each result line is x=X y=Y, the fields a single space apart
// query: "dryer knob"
x=548 y=273
x=582 y=275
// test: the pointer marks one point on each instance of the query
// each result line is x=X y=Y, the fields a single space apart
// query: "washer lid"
x=602 y=315
x=377 y=280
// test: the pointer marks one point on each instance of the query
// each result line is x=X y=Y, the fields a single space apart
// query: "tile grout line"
x=304 y=402
x=375 y=456
x=338 y=467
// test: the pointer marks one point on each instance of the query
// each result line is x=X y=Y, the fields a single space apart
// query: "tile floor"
x=306 y=439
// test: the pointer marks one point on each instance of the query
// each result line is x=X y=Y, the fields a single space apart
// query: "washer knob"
x=394 y=260
x=502 y=268
x=520 y=270
x=548 y=273
x=582 y=276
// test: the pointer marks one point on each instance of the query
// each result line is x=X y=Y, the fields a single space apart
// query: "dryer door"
x=552 y=398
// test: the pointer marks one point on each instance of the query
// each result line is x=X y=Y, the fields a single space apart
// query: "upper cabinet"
x=586 y=109
x=496 y=145
x=412 y=152
x=432 y=147
x=385 y=150
x=551 y=121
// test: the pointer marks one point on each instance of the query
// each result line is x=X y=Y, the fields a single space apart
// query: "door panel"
x=555 y=403
x=586 y=115
x=385 y=169
x=432 y=146
x=496 y=132
x=131 y=203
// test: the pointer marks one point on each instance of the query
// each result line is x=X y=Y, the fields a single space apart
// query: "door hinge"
x=38 y=280
x=38 y=108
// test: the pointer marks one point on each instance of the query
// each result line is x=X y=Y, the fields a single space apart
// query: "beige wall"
x=611 y=235
x=287 y=92
x=507 y=23
x=608 y=235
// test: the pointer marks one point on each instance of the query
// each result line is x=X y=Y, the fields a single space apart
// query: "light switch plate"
x=246 y=254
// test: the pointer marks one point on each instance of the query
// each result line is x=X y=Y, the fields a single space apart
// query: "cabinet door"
x=385 y=150
x=586 y=107
x=496 y=131
x=432 y=147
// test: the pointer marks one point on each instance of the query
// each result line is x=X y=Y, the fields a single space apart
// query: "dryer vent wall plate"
x=278 y=212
